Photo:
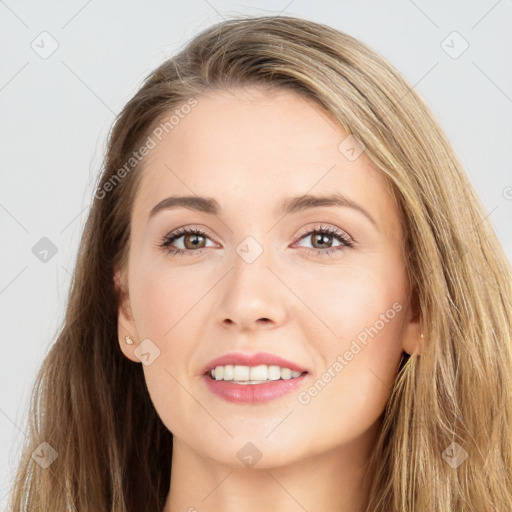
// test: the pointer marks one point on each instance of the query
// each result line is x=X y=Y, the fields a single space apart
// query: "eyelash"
x=346 y=241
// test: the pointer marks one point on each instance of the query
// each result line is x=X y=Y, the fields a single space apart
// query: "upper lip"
x=255 y=359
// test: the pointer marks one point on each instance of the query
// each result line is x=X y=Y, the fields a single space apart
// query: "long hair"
x=445 y=443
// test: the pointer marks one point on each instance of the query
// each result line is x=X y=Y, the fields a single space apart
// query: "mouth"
x=252 y=375
x=252 y=378
x=262 y=365
x=244 y=385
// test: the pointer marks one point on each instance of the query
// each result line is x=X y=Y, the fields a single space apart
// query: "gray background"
x=56 y=111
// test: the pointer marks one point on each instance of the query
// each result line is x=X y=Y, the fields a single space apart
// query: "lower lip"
x=253 y=393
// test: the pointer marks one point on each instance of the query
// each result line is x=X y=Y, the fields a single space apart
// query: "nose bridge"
x=251 y=262
x=251 y=291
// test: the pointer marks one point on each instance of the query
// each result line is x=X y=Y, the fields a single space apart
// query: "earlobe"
x=411 y=346
x=413 y=337
x=126 y=329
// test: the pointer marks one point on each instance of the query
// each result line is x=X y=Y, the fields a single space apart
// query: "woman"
x=287 y=297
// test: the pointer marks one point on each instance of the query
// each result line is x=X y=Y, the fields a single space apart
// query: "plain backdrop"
x=67 y=68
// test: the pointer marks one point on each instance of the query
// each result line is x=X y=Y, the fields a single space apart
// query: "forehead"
x=250 y=146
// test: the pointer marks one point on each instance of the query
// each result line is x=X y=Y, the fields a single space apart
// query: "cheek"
x=351 y=302
x=166 y=304
x=161 y=297
x=357 y=328
x=352 y=391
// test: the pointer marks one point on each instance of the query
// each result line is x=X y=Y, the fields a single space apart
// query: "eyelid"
x=177 y=233
x=186 y=228
x=346 y=240
x=319 y=226
x=322 y=226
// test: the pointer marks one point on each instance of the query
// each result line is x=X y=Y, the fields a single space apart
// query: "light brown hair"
x=90 y=403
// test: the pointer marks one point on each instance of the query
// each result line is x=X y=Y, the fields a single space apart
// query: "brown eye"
x=323 y=240
x=194 y=241
x=327 y=240
x=185 y=241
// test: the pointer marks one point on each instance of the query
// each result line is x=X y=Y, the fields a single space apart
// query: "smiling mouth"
x=260 y=374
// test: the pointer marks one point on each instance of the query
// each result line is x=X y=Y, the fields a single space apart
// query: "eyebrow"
x=288 y=206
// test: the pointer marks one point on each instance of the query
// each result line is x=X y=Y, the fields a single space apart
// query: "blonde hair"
x=91 y=404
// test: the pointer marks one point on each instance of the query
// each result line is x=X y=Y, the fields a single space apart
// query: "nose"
x=252 y=296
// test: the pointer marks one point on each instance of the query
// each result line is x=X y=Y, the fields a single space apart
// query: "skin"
x=249 y=149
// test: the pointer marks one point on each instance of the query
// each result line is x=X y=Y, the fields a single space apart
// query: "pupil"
x=194 y=243
x=320 y=236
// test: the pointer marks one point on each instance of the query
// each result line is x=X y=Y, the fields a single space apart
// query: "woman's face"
x=259 y=279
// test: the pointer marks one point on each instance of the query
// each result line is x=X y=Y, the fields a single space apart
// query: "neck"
x=335 y=480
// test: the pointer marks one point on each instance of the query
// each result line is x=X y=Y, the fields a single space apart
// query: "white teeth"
x=274 y=373
x=228 y=372
x=239 y=372
x=258 y=372
x=252 y=374
x=286 y=373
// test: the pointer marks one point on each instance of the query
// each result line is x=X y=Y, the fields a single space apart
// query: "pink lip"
x=252 y=393
x=252 y=360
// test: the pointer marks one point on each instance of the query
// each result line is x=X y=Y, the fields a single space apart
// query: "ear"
x=125 y=322
x=412 y=341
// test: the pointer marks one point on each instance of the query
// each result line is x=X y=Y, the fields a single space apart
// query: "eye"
x=322 y=239
x=193 y=241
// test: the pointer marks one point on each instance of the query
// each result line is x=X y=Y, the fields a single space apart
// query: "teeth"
x=228 y=372
x=239 y=372
x=252 y=374
x=274 y=373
